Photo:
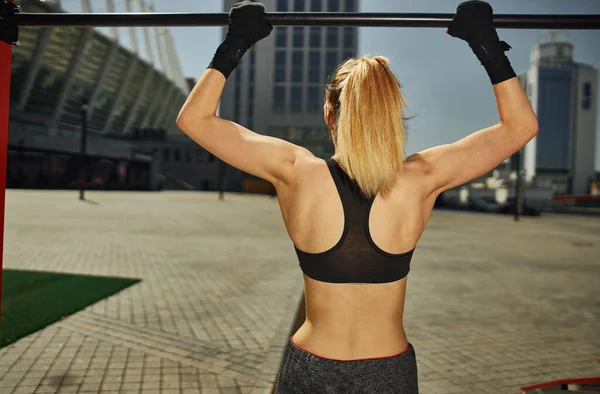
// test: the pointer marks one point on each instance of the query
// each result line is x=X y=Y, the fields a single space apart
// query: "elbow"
x=182 y=120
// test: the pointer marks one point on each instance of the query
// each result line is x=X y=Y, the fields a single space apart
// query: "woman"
x=355 y=219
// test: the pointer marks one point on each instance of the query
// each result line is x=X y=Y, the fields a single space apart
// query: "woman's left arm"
x=266 y=157
x=269 y=158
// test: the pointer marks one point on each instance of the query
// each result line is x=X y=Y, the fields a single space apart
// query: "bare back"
x=353 y=321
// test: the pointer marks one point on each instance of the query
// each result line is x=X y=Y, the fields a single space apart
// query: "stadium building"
x=125 y=84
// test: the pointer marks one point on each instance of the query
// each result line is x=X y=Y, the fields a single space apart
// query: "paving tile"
x=497 y=305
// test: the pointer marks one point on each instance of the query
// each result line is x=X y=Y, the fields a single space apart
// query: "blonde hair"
x=369 y=133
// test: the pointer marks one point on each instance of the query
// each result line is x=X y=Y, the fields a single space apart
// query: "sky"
x=446 y=88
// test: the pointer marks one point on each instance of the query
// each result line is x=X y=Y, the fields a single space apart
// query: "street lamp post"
x=83 y=166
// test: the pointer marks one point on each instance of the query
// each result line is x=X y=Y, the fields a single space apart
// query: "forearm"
x=514 y=108
x=203 y=101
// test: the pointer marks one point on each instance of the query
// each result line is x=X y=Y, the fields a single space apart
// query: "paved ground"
x=492 y=305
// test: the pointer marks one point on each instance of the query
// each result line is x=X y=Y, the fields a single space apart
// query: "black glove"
x=247 y=26
x=474 y=23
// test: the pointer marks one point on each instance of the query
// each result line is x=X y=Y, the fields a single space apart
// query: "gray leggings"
x=302 y=372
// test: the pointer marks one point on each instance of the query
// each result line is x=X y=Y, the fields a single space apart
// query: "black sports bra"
x=355 y=258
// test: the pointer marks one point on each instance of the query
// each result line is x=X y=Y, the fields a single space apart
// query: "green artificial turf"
x=31 y=300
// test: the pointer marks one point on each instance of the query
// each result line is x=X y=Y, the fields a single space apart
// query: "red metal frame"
x=560 y=382
x=5 y=66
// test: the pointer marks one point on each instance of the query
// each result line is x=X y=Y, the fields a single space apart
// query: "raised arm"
x=266 y=157
x=454 y=164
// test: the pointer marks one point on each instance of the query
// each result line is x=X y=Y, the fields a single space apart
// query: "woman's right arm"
x=455 y=164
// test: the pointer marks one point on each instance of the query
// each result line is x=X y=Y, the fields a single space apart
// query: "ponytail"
x=369 y=131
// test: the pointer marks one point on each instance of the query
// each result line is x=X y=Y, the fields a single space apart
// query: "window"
x=315 y=37
x=281 y=40
x=296 y=99
x=316 y=6
x=315 y=100
x=587 y=96
x=348 y=37
x=349 y=6
x=211 y=158
x=299 y=5
x=280 y=66
x=236 y=111
x=348 y=55
x=199 y=156
x=331 y=62
x=334 y=6
x=166 y=155
x=332 y=37
x=279 y=99
x=250 y=108
x=314 y=67
x=298 y=37
x=282 y=5
x=297 y=66
x=188 y=156
x=177 y=155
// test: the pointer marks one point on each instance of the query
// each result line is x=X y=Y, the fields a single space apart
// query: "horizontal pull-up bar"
x=554 y=22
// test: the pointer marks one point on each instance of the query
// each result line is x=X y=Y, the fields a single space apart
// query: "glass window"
x=331 y=61
x=349 y=6
x=316 y=6
x=298 y=37
x=314 y=75
x=296 y=99
x=315 y=100
x=177 y=155
x=348 y=37
x=280 y=74
x=166 y=154
x=297 y=66
x=299 y=5
x=199 y=156
x=334 y=6
x=280 y=66
x=315 y=59
x=279 y=99
x=236 y=111
x=297 y=58
x=282 y=5
x=348 y=55
x=315 y=37
x=281 y=40
x=332 y=37
x=280 y=58
x=587 y=96
x=188 y=156
x=314 y=70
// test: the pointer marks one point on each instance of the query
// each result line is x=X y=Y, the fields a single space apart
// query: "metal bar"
x=5 y=66
x=507 y=21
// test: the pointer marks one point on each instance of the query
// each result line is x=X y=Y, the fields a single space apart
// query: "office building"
x=279 y=88
x=563 y=94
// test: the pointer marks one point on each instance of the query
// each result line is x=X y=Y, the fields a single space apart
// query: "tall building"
x=562 y=93
x=279 y=87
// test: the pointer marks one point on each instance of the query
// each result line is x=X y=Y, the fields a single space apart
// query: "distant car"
x=484 y=205
x=510 y=208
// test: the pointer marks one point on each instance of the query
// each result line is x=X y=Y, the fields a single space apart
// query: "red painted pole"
x=5 y=66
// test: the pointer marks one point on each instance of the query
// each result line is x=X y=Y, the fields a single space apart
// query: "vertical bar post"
x=222 y=168
x=518 y=191
x=5 y=66
x=83 y=169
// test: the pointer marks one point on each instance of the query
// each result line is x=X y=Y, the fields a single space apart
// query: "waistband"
x=293 y=343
